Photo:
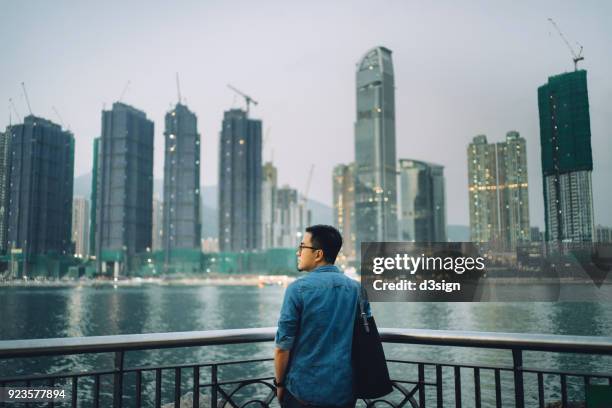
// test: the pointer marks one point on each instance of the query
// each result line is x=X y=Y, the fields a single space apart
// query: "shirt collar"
x=326 y=268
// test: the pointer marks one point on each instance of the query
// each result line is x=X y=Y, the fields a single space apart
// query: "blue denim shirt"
x=316 y=324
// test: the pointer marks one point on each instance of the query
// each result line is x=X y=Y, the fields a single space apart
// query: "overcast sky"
x=461 y=69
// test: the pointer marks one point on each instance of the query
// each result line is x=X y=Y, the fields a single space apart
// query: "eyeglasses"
x=302 y=246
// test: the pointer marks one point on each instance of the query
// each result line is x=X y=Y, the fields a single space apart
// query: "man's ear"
x=320 y=256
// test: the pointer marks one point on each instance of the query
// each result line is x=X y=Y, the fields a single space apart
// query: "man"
x=312 y=359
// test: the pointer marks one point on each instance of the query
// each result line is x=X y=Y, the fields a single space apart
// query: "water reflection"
x=63 y=312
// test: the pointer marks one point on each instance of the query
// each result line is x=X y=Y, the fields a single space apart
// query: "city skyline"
x=487 y=88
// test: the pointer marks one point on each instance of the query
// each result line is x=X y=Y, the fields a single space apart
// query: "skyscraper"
x=125 y=189
x=240 y=180
x=375 y=159
x=5 y=168
x=422 y=202
x=80 y=226
x=498 y=190
x=157 y=225
x=94 y=198
x=181 y=209
x=603 y=234
x=482 y=186
x=344 y=208
x=513 y=189
x=567 y=161
x=268 y=205
x=292 y=217
x=40 y=188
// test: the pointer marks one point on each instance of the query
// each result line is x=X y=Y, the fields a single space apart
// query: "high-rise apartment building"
x=536 y=234
x=343 y=182
x=567 y=161
x=375 y=158
x=94 y=198
x=292 y=217
x=181 y=207
x=483 y=194
x=268 y=205
x=40 y=188
x=422 y=201
x=157 y=225
x=124 y=197
x=513 y=190
x=240 y=182
x=498 y=191
x=5 y=173
x=603 y=234
x=80 y=226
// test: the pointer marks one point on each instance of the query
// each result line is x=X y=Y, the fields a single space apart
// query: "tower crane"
x=25 y=93
x=308 y=180
x=59 y=116
x=14 y=109
x=246 y=97
x=303 y=203
x=575 y=57
x=125 y=88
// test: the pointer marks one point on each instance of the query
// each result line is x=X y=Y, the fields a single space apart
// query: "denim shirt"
x=316 y=324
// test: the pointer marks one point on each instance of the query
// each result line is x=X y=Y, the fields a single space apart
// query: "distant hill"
x=321 y=213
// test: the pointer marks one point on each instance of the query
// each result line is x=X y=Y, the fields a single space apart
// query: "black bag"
x=370 y=373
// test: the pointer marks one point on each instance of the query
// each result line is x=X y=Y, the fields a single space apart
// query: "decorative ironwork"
x=432 y=378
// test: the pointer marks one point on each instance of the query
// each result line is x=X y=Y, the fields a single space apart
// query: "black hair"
x=328 y=239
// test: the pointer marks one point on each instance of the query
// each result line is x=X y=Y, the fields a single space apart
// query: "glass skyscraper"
x=422 y=202
x=375 y=158
x=567 y=161
x=240 y=181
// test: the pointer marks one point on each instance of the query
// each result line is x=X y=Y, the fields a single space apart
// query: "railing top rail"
x=127 y=342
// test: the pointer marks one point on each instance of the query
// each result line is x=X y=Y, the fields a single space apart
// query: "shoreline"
x=234 y=280
x=241 y=280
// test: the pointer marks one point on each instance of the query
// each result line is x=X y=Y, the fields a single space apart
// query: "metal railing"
x=424 y=390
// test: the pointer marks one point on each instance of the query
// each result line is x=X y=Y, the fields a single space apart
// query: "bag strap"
x=362 y=297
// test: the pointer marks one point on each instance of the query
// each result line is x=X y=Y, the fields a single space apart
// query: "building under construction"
x=37 y=173
x=124 y=190
x=567 y=160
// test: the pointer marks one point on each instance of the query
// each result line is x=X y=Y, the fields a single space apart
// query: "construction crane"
x=127 y=85
x=575 y=57
x=15 y=109
x=59 y=116
x=246 y=97
x=25 y=93
x=303 y=210
x=308 y=180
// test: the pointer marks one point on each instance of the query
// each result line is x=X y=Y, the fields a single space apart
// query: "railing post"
x=519 y=394
x=118 y=380
x=213 y=391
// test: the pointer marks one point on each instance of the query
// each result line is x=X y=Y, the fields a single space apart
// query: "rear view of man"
x=312 y=358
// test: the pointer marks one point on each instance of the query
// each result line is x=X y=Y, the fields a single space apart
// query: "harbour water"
x=28 y=312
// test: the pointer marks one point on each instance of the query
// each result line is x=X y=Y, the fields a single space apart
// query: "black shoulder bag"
x=370 y=373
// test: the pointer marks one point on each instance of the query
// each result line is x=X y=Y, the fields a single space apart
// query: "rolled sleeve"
x=289 y=318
